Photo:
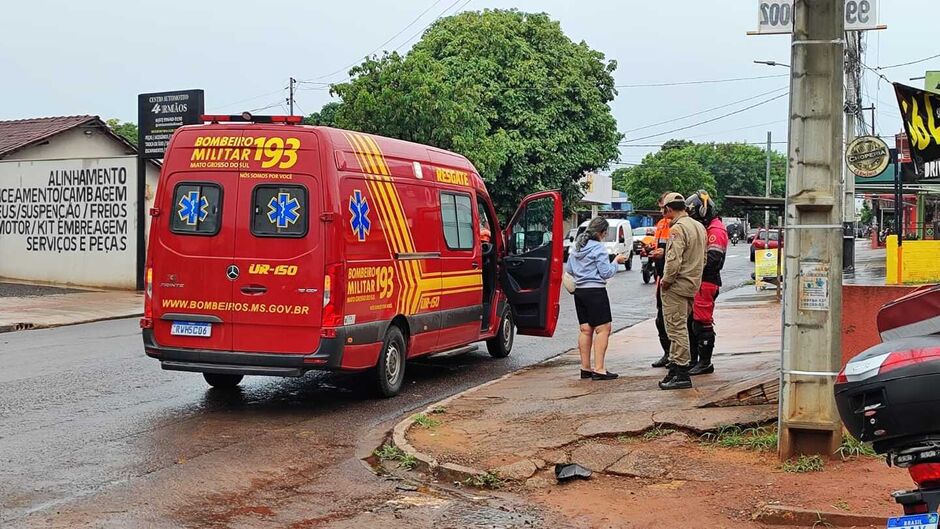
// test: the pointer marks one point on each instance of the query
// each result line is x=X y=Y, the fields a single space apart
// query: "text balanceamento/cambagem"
x=78 y=210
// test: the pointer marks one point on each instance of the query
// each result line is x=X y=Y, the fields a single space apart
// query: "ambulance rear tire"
x=222 y=381
x=500 y=345
x=390 y=371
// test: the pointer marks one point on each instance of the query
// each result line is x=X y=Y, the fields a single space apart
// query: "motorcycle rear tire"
x=646 y=276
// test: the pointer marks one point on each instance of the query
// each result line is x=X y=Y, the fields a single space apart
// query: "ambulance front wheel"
x=222 y=381
x=500 y=345
x=390 y=371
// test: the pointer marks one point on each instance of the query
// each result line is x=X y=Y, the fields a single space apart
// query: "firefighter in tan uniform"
x=685 y=260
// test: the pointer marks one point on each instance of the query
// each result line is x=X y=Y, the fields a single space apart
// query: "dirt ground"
x=714 y=487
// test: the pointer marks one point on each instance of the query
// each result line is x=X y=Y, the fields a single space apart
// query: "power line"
x=272 y=105
x=416 y=35
x=755 y=105
x=660 y=145
x=379 y=47
x=707 y=81
x=908 y=63
x=250 y=99
x=705 y=111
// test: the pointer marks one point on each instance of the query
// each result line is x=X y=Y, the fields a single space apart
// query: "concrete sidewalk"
x=644 y=445
x=537 y=414
x=52 y=310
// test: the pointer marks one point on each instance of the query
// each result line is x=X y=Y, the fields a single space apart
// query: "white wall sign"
x=776 y=16
x=69 y=221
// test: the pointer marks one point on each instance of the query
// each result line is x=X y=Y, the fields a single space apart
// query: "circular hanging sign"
x=867 y=156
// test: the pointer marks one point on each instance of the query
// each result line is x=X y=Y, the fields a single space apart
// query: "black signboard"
x=920 y=111
x=159 y=114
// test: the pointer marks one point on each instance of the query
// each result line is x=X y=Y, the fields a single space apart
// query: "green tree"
x=326 y=116
x=507 y=89
x=867 y=213
x=671 y=170
x=126 y=130
x=739 y=169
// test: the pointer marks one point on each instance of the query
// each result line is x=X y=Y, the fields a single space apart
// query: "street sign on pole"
x=775 y=17
x=158 y=115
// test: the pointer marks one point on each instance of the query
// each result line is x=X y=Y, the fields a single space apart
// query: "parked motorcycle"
x=887 y=396
x=648 y=267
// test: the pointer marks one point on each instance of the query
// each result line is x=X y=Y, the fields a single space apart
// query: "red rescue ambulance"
x=277 y=248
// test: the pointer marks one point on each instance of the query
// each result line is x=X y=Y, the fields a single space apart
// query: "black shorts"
x=592 y=306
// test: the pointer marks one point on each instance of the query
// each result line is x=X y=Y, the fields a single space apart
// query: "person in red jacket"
x=701 y=207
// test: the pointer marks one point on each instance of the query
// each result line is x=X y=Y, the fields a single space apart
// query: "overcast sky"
x=94 y=57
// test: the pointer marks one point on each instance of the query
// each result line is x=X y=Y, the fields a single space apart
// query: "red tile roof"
x=19 y=133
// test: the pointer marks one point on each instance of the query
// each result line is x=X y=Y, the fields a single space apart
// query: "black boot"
x=680 y=380
x=670 y=372
x=703 y=367
x=706 y=346
x=662 y=362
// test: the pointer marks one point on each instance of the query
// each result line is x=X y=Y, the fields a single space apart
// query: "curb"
x=796 y=516
x=427 y=462
x=28 y=326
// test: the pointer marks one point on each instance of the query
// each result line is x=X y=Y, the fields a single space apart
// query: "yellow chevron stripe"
x=392 y=241
x=377 y=151
x=359 y=145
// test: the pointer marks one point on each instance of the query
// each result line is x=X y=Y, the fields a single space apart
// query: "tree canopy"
x=670 y=170
x=507 y=89
x=126 y=130
x=326 y=116
x=731 y=169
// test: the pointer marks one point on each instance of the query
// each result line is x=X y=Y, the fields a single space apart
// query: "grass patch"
x=852 y=448
x=761 y=439
x=842 y=505
x=656 y=432
x=803 y=464
x=487 y=480
x=390 y=452
x=407 y=462
x=426 y=422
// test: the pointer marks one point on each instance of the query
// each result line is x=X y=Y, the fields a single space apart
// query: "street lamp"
x=772 y=63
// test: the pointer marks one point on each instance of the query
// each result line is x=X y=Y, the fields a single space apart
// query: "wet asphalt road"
x=94 y=434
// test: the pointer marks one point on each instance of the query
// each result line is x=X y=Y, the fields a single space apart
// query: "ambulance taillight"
x=147 y=321
x=332 y=292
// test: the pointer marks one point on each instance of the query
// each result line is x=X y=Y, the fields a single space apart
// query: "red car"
x=766 y=239
x=276 y=248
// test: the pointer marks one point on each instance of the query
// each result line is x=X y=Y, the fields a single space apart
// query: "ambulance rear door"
x=279 y=246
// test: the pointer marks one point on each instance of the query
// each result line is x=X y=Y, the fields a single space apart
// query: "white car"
x=569 y=241
x=619 y=239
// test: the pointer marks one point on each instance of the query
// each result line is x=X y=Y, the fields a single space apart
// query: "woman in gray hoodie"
x=591 y=268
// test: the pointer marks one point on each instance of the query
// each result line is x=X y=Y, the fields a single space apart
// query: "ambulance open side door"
x=531 y=268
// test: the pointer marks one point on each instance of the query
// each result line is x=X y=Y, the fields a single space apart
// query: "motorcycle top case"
x=916 y=314
x=889 y=394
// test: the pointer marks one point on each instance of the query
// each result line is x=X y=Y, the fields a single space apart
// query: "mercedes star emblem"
x=232 y=272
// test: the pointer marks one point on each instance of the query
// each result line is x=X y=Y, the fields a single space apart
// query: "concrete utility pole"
x=290 y=99
x=767 y=183
x=811 y=352
x=853 y=104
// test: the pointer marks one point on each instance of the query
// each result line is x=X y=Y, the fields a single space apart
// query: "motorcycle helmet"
x=701 y=207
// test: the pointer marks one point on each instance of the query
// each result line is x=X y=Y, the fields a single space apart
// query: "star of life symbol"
x=283 y=210
x=359 y=207
x=194 y=208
